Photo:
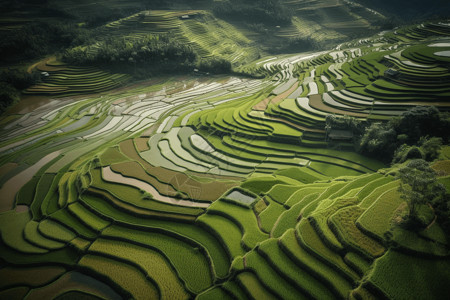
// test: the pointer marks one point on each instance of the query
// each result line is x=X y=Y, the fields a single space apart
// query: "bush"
x=215 y=65
x=8 y=95
x=429 y=150
x=405 y=152
x=431 y=147
x=379 y=141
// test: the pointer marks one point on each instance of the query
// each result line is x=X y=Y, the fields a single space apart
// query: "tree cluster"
x=302 y=44
x=160 y=52
x=421 y=190
x=427 y=148
x=11 y=82
x=151 y=50
x=346 y=122
x=267 y=11
x=41 y=38
x=215 y=65
x=407 y=136
x=8 y=95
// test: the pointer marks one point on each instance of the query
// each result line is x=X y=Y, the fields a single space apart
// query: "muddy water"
x=111 y=176
x=12 y=186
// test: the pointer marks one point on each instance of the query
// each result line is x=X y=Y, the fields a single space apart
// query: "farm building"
x=391 y=73
x=340 y=135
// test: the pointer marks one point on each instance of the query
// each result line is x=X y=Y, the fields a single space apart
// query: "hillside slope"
x=221 y=186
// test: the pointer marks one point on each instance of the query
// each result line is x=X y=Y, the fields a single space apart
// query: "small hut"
x=391 y=73
x=340 y=135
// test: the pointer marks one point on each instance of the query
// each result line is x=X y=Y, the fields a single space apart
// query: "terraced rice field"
x=61 y=79
x=328 y=21
x=221 y=186
x=207 y=35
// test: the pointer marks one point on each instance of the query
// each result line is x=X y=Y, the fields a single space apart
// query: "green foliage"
x=419 y=187
x=301 y=44
x=345 y=122
x=41 y=38
x=442 y=211
x=405 y=152
x=379 y=140
x=420 y=126
x=157 y=49
x=323 y=236
x=19 y=79
x=429 y=150
x=420 y=121
x=430 y=147
x=8 y=96
x=214 y=65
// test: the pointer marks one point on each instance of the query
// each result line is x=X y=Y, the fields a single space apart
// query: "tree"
x=8 y=95
x=442 y=209
x=419 y=187
x=431 y=147
x=405 y=152
x=423 y=127
x=417 y=122
x=379 y=141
